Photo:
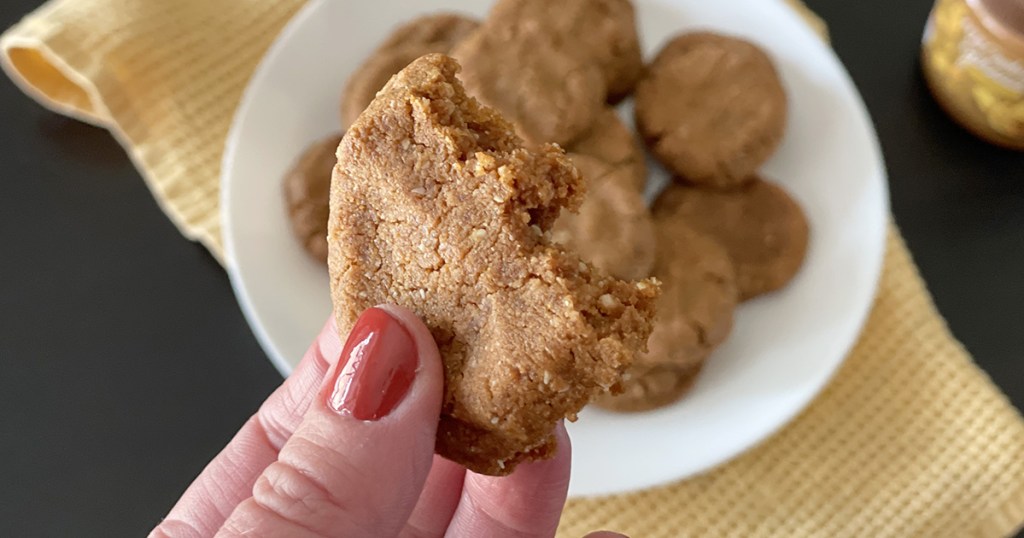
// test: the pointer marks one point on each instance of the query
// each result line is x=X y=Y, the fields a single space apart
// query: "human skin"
x=345 y=447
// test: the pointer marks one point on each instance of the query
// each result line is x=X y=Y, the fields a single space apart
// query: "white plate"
x=784 y=348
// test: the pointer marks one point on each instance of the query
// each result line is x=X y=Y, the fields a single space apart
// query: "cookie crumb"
x=608 y=301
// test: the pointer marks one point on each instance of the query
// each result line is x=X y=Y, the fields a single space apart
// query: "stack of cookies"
x=710 y=108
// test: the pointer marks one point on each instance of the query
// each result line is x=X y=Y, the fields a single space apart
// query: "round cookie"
x=612 y=141
x=694 y=316
x=762 y=228
x=711 y=108
x=613 y=228
x=602 y=31
x=307 y=194
x=533 y=78
x=423 y=35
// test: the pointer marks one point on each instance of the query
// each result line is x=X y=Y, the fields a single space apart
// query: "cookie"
x=429 y=33
x=695 y=315
x=533 y=78
x=603 y=32
x=307 y=189
x=613 y=228
x=371 y=76
x=651 y=387
x=612 y=141
x=711 y=108
x=762 y=228
x=443 y=29
x=436 y=205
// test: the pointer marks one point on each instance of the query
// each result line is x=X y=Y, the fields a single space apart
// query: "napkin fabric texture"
x=909 y=439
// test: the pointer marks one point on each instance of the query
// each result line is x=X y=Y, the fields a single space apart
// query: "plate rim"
x=227 y=166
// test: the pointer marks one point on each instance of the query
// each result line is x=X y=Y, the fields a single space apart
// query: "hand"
x=345 y=447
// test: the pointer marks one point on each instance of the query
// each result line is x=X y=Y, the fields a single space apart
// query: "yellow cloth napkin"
x=909 y=439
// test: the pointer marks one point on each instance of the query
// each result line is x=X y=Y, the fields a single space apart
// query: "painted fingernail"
x=380 y=363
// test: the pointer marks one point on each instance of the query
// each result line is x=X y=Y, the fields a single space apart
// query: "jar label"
x=973 y=74
x=977 y=51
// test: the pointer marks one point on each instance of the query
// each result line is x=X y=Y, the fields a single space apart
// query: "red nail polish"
x=380 y=364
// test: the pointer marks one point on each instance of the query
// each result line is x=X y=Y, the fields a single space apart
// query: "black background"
x=126 y=363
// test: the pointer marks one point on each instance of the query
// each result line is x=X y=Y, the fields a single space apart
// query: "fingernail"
x=380 y=363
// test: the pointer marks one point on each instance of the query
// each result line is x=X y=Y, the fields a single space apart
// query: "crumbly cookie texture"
x=532 y=77
x=764 y=231
x=603 y=32
x=610 y=140
x=307 y=188
x=712 y=108
x=651 y=386
x=695 y=315
x=613 y=228
x=436 y=205
x=438 y=32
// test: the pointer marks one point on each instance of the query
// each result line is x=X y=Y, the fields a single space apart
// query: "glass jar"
x=973 y=60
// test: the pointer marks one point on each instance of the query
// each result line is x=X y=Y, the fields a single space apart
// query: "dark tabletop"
x=125 y=363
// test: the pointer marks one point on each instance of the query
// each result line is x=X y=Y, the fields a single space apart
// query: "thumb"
x=357 y=463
